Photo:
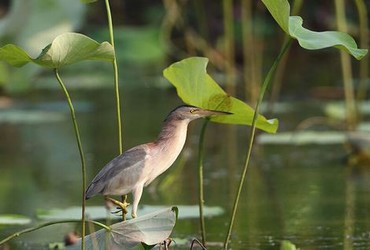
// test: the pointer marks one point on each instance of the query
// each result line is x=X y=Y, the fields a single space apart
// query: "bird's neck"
x=173 y=130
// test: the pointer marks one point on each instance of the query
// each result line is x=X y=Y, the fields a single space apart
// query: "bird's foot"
x=121 y=206
x=133 y=215
x=166 y=243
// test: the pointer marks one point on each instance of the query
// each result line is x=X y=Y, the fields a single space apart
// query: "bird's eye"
x=193 y=111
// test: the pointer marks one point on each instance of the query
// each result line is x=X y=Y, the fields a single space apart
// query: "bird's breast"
x=164 y=152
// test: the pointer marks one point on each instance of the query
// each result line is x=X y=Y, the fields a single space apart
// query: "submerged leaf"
x=194 y=86
x=149 y=229
x=66 y=49
x=292 y=25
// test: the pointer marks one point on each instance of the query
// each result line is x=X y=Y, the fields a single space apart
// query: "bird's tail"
x=92 y=190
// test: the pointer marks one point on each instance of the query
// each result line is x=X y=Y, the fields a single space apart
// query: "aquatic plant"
x=196 y=87
x=67 y=49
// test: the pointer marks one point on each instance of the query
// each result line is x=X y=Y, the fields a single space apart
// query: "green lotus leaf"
x=196 y=87
x=307 y=39
x=66 y=49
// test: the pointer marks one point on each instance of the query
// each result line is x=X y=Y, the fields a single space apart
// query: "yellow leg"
x=123 y=205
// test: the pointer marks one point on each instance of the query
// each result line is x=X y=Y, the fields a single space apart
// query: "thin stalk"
x=251 y=138
x=347 y=75
x=250 y=50
x=278 y=79
x=116 y=90
x=229 y=46
x=31 y=229
x=201 y=190
x=364 y=41
x=116 y=83
x=80 y=150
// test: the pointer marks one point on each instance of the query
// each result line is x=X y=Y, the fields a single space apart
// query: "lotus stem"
x=116 y=90
x=251 y=138
x=80 y=149
x=347 y=76
x=201 y=188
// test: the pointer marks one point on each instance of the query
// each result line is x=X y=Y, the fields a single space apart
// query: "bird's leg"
x=123 y=205
x=124 y=198
x=124 y=201
x=136 y=193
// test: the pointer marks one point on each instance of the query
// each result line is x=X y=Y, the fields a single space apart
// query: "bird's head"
x=188 y=112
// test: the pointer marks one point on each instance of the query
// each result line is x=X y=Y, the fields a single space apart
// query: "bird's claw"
x=121 y=206
x=117 y=211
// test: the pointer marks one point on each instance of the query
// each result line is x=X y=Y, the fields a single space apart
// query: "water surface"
x=305 y=194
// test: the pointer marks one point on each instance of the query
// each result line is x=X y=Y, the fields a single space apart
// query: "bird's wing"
x=132 y=158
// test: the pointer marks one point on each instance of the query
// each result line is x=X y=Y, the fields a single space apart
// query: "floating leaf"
x=292 y=25
x=363 y=126
x=337 y=110
x=194 y=86
x=304 y=138
x=66 y=49
x=100 y=212
x=149 y=229
x=14 y=219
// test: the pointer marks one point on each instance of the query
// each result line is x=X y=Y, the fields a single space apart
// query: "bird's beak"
x=206 y=112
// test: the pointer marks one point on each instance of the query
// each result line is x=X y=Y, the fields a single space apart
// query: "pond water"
x=305 y=194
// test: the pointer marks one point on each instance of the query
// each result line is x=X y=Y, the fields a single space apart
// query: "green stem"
x=201 y=190
x=116 y=83
x=364 y=41
x=79 y=144
x=347 y=75
x=31 y=229
x=251 y=138
x=229 y=45
x=116 y=88
x=250 y=50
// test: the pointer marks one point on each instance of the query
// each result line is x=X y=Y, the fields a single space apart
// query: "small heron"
x=137 y=167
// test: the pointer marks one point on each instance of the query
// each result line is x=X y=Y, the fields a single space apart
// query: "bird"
x=137 y=167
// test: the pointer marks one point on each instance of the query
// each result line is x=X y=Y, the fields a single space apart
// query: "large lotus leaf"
x=66 y=49
x=194 y=86
x=149 y=229
x=292 y=25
